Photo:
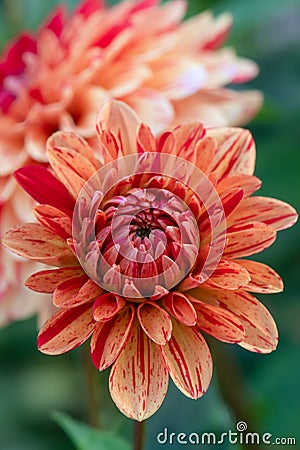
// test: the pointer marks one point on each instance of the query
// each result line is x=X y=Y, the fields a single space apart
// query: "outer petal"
x=47 y=280
x=71 y=167
x=249 y=183
x=36 y=242
x=279 y=215
x=181 y=308
x=152 y=107
x=263 y=279
x=117 y=117
x=53 y=218
x=188 y=359
x=139 y=379
x=75 y=292
x=67 y=329
x=260 y=328
x=235 y=152
x=155 y=322
x=107 y=306
x=109 y=338
x=247 y=239
x=228 y=275
x=219 y=322
x=45 y=188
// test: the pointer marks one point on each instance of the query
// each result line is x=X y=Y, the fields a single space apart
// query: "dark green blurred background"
x=262 y=390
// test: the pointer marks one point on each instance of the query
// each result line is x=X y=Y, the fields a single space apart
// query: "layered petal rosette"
x=140 y=52
x=148 y=239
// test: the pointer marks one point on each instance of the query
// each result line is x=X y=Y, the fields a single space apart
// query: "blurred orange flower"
x=141 y=52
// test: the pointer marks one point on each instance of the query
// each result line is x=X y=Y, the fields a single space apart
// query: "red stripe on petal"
x=247 y=239
x=110 y=338
x=218 y=322
x=35 y=242
x=260 y=328
x=188 y=360
x=139 y=380
x=155 y=322
x=279 y=215
x=56 y=220
x=263 y=279
x=181 y=308
x=107 y=306
x=67 y=329
x=47 y=280
x=228 y=275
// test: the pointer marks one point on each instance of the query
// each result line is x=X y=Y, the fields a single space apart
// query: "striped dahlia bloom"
x=148 y=239
x=140 y=52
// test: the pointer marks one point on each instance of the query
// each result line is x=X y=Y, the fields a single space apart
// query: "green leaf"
x=85 y=437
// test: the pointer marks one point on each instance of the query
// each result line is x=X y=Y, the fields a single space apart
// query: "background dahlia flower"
x=140 y=52
x=147 y=261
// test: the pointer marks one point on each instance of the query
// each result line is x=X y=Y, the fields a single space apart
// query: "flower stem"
x=91 y=387
x=139 y=435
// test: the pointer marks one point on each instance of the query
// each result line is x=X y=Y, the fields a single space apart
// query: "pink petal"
x=235 y=152
x=67 y=329
x=260 y=328
x=152 y=107
x=107 y=306
x=279 y=215
x=188 y=359
x=219 y=107
x=54 y=219
x=117 y=117
x=53 y=193
x=36 y=242
x=247 y=239
x=139 y=379
x=218 y=322
x=75 y=292
x=155 y=322
x=228 y=275
x=109 y=338
x=263 y=279
x=181 y=308
x=47 y=280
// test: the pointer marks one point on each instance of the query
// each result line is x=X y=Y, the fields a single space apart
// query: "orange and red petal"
x=47 y=280
x=247 y=239
x=35 y=242
x=75 y=292
x=54 y=219
x=275 y=213
x=260 y=328
x=235 y=152
x=188 y=360
x=67 y=329
x=263 y=279
x=139 y=379
x=155 y=322
x=228 y=275
x=110 y=337
x=218 y=322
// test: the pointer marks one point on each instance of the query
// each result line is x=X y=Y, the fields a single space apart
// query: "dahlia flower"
x=148 y=238
x=142 y=53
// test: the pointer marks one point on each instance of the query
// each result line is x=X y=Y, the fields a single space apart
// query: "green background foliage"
x=261 y=389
